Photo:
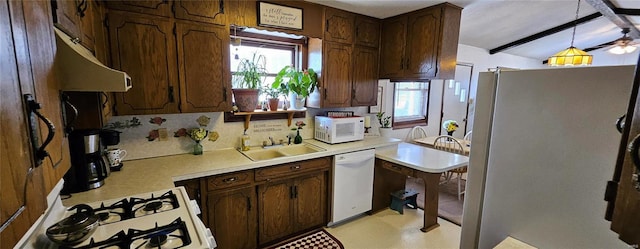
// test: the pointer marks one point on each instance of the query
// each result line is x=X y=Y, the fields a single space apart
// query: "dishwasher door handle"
x=353 y=161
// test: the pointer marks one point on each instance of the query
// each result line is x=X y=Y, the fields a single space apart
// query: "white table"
x=425 y=163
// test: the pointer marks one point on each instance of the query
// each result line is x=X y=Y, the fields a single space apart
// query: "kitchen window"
x=410 y=107
x=278 y=54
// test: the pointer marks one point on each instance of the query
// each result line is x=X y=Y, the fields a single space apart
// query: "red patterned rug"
x=320 y=239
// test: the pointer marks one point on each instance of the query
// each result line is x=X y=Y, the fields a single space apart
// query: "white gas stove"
x=161 y=219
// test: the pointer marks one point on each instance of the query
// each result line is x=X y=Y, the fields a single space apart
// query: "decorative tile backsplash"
x=145 y=136
x=140 y=135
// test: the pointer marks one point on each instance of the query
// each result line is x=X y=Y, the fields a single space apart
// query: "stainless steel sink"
x=260 y=154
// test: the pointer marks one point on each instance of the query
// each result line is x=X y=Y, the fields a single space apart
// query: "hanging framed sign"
x=279 y=16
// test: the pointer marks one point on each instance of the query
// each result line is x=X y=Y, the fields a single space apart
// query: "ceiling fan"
x=623 y=45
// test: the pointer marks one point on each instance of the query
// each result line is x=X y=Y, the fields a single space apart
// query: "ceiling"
x=490 y=24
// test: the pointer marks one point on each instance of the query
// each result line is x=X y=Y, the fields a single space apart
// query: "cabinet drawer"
x=292 y=168
x=397 y=168
x=229 y=180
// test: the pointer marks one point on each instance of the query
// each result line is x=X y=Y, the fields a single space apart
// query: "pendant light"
x=571 y=56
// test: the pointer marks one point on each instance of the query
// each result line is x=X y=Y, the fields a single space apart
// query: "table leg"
x=431 y=185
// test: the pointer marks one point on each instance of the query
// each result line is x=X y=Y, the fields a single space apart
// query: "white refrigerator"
x=544 y=146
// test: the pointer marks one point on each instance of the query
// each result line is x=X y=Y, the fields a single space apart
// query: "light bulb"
x=617 y=50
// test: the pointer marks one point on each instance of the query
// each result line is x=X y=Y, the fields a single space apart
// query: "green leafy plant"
x=272 y=93
x=385 y=121
x=301 y=82
x=251 y=73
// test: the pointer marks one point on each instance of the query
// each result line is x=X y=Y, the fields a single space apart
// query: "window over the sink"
x=279 y=50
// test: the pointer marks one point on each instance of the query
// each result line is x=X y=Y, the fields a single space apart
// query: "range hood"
x=79 y=70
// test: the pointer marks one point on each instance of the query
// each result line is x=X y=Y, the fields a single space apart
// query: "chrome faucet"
x=272 y=142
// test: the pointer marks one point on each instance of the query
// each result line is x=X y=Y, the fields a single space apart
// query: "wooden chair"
x=450 y=144
x=415 y=133
x=468 y=136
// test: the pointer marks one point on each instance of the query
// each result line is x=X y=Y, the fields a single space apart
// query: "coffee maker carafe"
x=88 y=169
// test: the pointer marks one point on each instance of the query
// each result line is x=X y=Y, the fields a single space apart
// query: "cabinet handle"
x=296 y=167
x=407 y=63
x=290 y=192
x=295 y=192
x=326 y=26
x=67 y=124
x=221 y=7
x=620 y=123
x=171 y=99
x=401 y=63
x=81 y=8
x=325 y=93
x=230 y=180
x=32 y=109
x=248 y=203
x=198 y=196
x=224 y=94
x=633 y=150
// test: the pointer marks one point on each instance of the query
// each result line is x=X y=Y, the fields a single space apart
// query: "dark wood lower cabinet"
x=232 y=217
x=256 y=208
x=292 y=206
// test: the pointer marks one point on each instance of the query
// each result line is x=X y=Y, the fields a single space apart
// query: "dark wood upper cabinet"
x=201 y=11
x=339 y=25
x=144 y=47
x=392 y=47
x=203 y=60
x=367 y=31
x=337 y=75
x=151 y=7
x=365 y=76
x=421 y=45
x=423 y=33
x=67 y=18
x=241 y=12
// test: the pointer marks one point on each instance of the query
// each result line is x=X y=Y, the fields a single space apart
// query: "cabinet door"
x=336 y=77
x=88 y=23
x=241 y=12
x=200 y=10
x=144 y=47
x=275 y=211
x=365 y=76
x=232 y=218
x=367 y=31
x=310 y=201
x=152 y=7
x=339 y=26
x=423 y=36
x=205 y=84
x=27 y=67
x=66 y=17
x=392 y=47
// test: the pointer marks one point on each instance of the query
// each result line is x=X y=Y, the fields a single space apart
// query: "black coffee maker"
x=88 y=168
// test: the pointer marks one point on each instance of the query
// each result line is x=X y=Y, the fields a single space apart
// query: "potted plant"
x=272 y=96
x=385 y=124
x=297 y=83
x=247 y=82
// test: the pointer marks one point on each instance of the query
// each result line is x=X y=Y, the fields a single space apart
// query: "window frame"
x=413 y=122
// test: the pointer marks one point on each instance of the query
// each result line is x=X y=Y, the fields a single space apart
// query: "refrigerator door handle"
x=633 y=149
x=620 y=123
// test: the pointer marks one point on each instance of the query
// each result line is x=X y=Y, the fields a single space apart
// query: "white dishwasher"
x=352 y=184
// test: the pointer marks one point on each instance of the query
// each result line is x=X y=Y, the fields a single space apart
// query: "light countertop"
x=153 y=174
x=422 y=158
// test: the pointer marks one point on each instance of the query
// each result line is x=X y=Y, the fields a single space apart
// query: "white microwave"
x=335 y=130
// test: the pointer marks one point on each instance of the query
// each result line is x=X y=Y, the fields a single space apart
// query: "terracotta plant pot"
x=246 y=99
x=273 y=104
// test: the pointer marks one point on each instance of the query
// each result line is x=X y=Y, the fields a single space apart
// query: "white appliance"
x=166 y=218
x=544 y=146
x=335 y=130
x=352 y=184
